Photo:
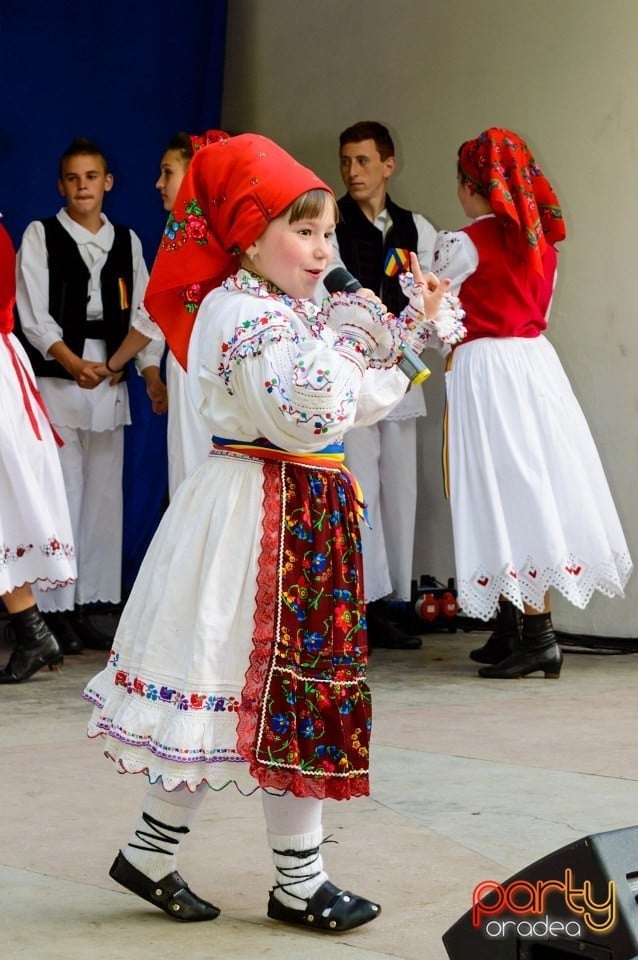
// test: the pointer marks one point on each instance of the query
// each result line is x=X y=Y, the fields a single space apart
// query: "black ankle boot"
x=36 y=647
x=537 y=651
x=383 y=633
x=59 y=624
x=507 y=632
x=91 y=637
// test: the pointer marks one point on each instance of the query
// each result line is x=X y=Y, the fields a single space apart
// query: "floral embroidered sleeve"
x=391 y=334
x=455 y=257
x=280 y=363
x=305 y=393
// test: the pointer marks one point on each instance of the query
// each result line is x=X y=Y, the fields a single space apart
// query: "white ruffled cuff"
x=447 y=326
x=363 y=328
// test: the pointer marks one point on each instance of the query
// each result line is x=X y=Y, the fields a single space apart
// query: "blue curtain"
x=127 y=75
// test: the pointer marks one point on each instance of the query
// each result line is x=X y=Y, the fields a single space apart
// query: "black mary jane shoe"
x=329 y=909
x=171 y=894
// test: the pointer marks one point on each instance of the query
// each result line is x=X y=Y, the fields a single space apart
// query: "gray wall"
x=563 y=74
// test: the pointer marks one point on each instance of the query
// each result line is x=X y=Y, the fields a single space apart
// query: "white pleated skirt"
x=36 y=542
x=167 y=701
x=531 y=506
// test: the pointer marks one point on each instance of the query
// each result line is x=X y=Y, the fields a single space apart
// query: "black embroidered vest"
x=68 y=296
x=363 y=247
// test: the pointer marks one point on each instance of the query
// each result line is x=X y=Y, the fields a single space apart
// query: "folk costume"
x=188 y=438
x=82 y=287
x=36 y=542
x=383 y=456
x=516 y=435
x=240 y=657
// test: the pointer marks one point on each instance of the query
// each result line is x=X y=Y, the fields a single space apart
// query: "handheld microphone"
x=410 y=363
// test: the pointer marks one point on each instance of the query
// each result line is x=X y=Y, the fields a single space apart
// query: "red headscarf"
x=500 y=165
x=231 y=191
x=206 y=138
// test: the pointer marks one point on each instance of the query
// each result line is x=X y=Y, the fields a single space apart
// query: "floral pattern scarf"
x=501 y=167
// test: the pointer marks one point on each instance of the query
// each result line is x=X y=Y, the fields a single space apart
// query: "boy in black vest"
x=80 y=278
x=373 y=240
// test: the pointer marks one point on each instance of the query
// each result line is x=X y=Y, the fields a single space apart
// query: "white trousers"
x=383 y=459
x=92 y=468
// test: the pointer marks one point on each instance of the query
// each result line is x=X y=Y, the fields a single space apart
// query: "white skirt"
x=36 y=543
x=531 y=507
x=173 y=679
x=188 y=436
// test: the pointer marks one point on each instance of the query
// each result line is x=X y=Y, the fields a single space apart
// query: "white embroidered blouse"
x=262 y=364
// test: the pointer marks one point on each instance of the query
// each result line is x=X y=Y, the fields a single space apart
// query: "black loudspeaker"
x=579 y=901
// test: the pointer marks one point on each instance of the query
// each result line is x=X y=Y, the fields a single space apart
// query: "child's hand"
x=433 y=289
x=370 y=295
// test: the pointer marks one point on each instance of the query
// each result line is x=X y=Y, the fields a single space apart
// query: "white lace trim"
x=575 y=580
x=145 y=325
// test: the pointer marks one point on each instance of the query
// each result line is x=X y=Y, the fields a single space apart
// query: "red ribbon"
x=29 y=389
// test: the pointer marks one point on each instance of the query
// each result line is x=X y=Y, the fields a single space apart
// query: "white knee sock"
x=295 y=834
x=165 y=820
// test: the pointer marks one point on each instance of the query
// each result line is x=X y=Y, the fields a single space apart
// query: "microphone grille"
x=340 y=279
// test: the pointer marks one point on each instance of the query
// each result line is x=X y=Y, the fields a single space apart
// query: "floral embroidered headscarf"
x=231 y=191
x=199 y=140
x=501 y=167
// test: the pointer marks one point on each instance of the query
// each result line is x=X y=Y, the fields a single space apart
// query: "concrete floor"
x=472 y=780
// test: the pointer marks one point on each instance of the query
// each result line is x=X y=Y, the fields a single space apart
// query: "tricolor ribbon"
x=124 y=301
x=445 y=455
x=397 y=259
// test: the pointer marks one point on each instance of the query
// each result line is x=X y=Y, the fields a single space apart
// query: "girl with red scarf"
x=240 y=657
x=531 y=508
x=36 y=544
x=187 y=433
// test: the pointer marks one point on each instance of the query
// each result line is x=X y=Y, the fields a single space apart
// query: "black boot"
x=537 y=651
x=59 y=624
x=36 y=647
x=91 y=637
x=382 y=632
x=507 y=632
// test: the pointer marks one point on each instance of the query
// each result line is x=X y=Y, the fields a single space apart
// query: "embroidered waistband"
x=330 y=457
